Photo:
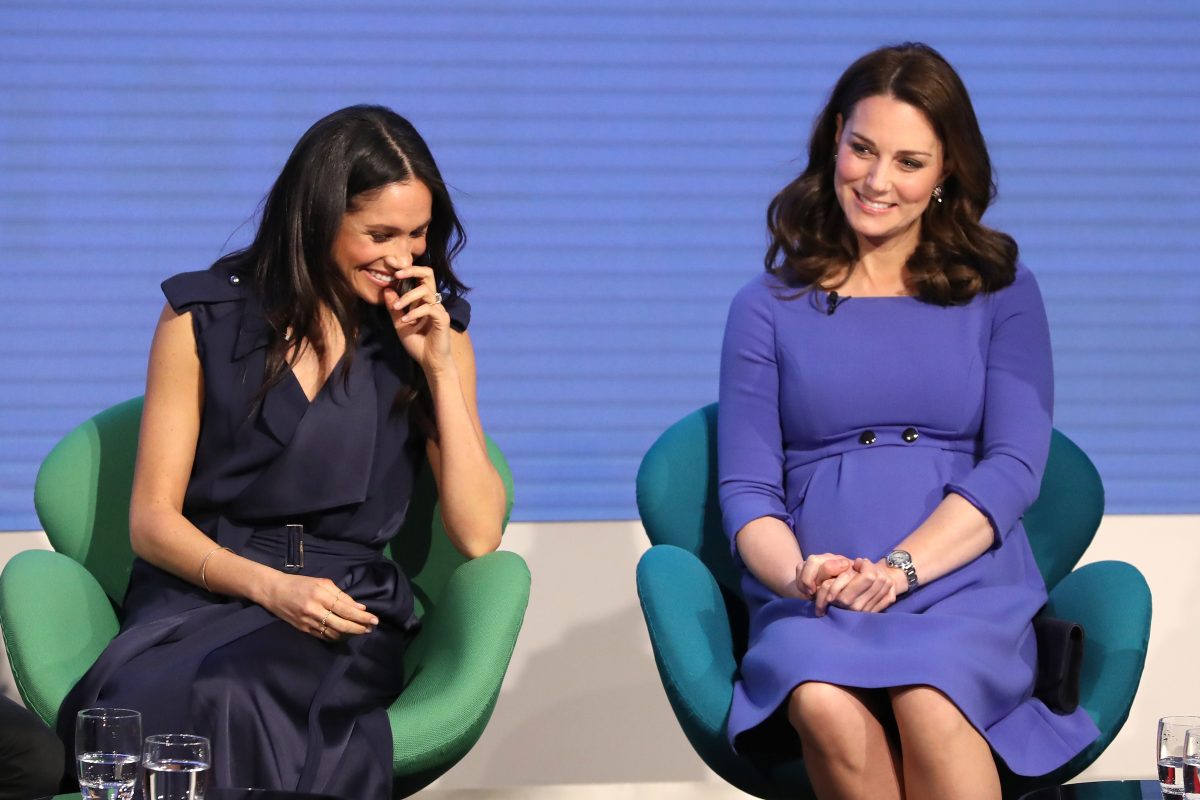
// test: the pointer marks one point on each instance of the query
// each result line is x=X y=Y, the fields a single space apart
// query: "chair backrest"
x=1063 y=520
x=82 y=499
x=422 y=548
x=677 y=494
x=82 y=494
x=678 y=503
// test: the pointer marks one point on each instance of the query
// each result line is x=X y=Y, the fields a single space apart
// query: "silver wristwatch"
x=901 y=560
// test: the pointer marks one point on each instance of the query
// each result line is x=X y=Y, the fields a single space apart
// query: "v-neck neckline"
x=333 y=373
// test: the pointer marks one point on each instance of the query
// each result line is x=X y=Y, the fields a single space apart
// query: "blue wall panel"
x=612 y=161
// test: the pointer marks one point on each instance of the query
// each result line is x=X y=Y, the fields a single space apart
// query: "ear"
x=837 y=132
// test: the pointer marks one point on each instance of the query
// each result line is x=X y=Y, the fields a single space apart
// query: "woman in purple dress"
x=885 y=416
x=293 y=389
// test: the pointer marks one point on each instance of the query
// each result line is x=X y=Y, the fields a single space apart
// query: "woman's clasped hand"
x=857 y=584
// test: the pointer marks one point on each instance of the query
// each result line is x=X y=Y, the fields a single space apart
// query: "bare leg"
x=847 y=750
x=945 y=758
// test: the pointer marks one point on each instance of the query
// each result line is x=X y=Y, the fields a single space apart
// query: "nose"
x=401 y=257
x=878 y=178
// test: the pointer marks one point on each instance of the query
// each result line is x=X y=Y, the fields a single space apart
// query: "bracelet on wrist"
x=204 y=566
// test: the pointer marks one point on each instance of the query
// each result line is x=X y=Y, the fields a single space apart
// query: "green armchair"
x=59 y=609
x=689 y=590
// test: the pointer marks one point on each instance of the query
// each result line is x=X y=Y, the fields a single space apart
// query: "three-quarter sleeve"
x=749 y=436
x=1017 y=410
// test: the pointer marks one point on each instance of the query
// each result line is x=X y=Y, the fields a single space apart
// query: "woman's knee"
x=823 y=710
x=924 y=713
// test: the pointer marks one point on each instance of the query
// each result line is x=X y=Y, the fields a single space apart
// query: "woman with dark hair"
x=293 y=388
x=885 y=416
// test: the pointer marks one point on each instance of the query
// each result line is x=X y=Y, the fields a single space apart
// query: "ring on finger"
x=324 y=620
x=437 y=299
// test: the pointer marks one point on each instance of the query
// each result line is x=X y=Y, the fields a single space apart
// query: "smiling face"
x=889 y=161
x=390 y=221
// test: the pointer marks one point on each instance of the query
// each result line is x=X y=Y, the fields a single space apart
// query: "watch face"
x=899 y=559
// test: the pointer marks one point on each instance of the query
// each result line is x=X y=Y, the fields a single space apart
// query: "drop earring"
x=937 y=194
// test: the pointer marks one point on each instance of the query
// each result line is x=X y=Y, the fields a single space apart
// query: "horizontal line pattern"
x=613 y=162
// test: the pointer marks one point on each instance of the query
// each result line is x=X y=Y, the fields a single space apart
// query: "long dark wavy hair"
x=957 y=256
x=339 y=161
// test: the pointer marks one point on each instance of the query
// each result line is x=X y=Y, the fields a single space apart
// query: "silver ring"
x=437 y=298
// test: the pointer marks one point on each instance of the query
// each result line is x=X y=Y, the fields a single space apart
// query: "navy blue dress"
x=284 y=710
x=851 y=428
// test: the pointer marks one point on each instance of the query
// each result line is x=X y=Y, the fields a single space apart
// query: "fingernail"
x=405 y=317
x=374 y=621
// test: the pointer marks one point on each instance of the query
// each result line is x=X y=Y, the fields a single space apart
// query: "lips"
x=381 y=279
x=872 y=206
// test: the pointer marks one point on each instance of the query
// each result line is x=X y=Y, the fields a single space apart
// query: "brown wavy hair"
x=957 y=256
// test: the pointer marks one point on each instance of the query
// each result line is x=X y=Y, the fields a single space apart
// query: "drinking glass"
x=177 y=766
x=1172 y=739
x=108 y=745
x=1191 y=764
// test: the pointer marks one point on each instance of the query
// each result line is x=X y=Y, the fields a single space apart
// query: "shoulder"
x=760 y=293
x=459 y=310
x=1022 y=293
x=220 y=283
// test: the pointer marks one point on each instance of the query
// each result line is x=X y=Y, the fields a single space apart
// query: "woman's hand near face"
x=316 y=606
x=420 y=319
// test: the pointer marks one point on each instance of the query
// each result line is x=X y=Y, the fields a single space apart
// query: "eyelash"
x=380 y=238
x=861 y=149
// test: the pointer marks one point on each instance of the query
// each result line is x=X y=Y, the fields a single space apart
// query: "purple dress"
x=851 y=427
x=284 y=710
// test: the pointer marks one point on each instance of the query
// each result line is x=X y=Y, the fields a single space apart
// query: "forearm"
x=770 y=551
x=955 y=534
x=165 y=538
x=470 y=491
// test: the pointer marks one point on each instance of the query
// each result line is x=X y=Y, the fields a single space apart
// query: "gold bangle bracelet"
x=204 y=565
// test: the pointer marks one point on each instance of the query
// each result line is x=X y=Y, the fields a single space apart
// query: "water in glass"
x=1191 y=778
x=176 y=779
x=107 y=776
x=177 y=766
x=1170 y=775
x=108 y=746
x=1172 y=747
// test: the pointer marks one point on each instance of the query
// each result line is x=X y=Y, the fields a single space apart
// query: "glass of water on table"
x=1172 y=743
x=177 y=766
x=1191 y=764
x=108 y=744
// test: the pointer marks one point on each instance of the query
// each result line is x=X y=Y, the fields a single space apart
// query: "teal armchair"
x=689 y=591
x=59 y=609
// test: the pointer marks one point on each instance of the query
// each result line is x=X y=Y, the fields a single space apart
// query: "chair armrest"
x=457 y=664
x=690 y=634
x=56 y=620
x=1112 y=602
